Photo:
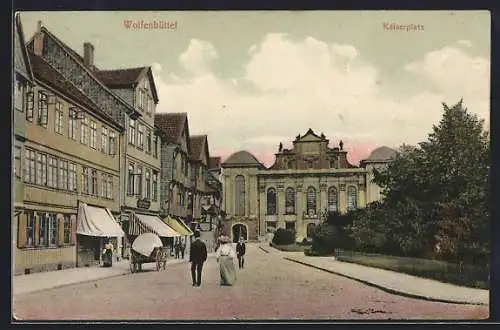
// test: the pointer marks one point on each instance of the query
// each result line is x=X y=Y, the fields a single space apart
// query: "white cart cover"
x=146 y=243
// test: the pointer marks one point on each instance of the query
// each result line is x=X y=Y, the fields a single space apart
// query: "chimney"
x=38 y=40
x=88 y=55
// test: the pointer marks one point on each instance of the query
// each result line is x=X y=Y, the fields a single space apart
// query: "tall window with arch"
x=332 y=199
x=290 y=201
x=239 y=181
x=311 y=201
x=352 y=198
x=271 y=201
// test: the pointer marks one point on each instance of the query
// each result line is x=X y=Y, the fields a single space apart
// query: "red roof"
x=45 y=73
x=214 y=162
x=120 y=77
x=170 y=125
x=196 y=144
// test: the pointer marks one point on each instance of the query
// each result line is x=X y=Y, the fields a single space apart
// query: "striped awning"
x=143 y=223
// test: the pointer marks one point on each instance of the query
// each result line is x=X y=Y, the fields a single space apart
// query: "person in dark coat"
x=240 y=252
x=197 y=256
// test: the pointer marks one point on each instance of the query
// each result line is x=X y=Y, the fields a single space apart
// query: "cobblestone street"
x=268 y=288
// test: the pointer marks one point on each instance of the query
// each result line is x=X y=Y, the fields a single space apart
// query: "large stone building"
x=298 y=190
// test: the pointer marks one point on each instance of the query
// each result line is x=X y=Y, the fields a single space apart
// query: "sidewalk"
x=393 y=282
x=49 y=280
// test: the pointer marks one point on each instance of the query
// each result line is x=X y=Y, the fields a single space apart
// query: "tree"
x=438 y=191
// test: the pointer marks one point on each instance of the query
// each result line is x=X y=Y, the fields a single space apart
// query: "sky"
x=250 y=80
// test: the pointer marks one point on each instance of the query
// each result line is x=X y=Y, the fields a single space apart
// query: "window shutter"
x=37 y=229
x=21 y=230
x=60 y=229
x=73 y=229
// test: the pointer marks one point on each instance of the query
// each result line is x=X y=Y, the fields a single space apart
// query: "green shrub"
x=284 y=237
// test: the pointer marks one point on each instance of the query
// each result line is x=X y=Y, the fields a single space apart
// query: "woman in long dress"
x=226 y=257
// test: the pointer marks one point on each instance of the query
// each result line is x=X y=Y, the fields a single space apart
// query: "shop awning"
x=143 y=223
x=97 y=221
x=179 y=226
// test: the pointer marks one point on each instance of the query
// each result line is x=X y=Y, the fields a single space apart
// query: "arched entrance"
x=239 y=230
x=311 y=227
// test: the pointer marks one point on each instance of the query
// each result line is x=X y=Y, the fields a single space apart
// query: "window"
x=155 y=146
x=52 y=230
x=290 y=225
x=332 y=199
x=271 y=201
x=240 y=195
x=311 y=228
x=43 y=109
x=84 y=130
x=93 y=182
x=154 y=192
x=138 y=182
x=148 y=141
x=110 y=187
x=311 y=201
x=43 y=231
x=30 y=229
x=148 y=184
x=352 y=198
x=59 y=124
x=67 y=229
x=93 y=134
x=85 y=180
x=19 y=96
x=104 y=185
x=290 y=201
x=52 y=172
x=112 y=143
x=141 y=98
x=30 y=101
x=17 y=162
x=146 y=105
x=131 y=133
x=41 y=169
x=140 y=136
x=130 y=179
x=151 y=105
x=63 y=174
x=72 y=185
x=104 y=140
x=29 y=167
x=72 y=123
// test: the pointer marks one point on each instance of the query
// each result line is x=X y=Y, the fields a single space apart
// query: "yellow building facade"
x=298 y=191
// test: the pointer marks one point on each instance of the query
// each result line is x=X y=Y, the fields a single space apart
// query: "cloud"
x=198 y=57
x=465 y=43
x=288 y=86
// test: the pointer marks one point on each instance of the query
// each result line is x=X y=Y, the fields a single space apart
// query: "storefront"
x=94 y=225
x=145 y=223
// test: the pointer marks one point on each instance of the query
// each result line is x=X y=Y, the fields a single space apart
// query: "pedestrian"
x=240 y=251
x=197 y=256
x=177 y=249
x=226 y=257
x=183 y=248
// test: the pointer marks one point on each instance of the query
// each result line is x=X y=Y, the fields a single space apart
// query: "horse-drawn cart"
x=147 y=248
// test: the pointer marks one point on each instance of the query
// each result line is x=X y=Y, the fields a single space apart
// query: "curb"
x=392 y=291
x=88 y=281
x=266 y=251
x=74 y=283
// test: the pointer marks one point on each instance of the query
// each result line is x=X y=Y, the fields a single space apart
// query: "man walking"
x=240 y=252
x=197 y=256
